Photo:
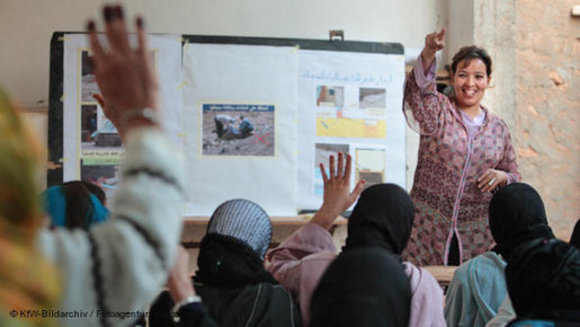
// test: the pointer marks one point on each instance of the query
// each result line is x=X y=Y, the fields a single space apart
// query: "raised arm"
x=433 y=42
x=114 y=270
x=422 y=103
x=337 y=194
x=126 y=76
x=314 y=236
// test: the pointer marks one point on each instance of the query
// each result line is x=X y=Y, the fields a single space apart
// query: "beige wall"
x=536 y=49
x=548 y=104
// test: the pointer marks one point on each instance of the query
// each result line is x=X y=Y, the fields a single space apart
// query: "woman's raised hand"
x=337 y=194
x=433 y=42
x=126 y=76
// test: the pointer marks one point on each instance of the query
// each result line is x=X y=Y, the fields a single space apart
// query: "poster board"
x=254 y=116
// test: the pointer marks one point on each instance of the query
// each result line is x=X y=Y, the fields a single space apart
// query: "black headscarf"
x=225 y=261
x=575 y=238
x=517 y=215
x=382 y=217
x=543 y=280
x=362 y=287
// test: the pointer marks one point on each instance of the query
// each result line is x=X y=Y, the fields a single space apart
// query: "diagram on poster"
x=349 y=103
x=334 y=119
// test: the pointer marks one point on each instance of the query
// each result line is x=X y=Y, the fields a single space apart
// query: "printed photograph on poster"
x=372 y=98
x=370 y=165
x=238 y=130
x=88 y=81
x=329 y=96
x=322 y=151
x=97 y=132
x=104 y=175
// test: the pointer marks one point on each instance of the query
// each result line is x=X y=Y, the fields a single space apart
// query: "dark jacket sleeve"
x=190 y=315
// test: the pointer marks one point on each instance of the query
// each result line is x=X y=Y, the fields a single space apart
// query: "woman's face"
x=470 y=83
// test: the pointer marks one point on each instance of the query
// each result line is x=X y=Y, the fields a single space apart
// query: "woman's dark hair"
x=77 y=195
x=471 y=52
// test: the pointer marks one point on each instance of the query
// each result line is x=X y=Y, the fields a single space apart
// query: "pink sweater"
x=450 y=160
x=299 y=262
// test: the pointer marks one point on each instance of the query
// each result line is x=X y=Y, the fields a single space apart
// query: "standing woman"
x=465 y=153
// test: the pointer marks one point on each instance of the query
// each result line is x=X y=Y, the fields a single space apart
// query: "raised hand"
x=108 y=109
x=433 y=42
x=126 y=76
x=337 y=194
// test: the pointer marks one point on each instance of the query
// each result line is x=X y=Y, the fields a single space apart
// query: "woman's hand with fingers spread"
x=126 y=76
x=337 y=194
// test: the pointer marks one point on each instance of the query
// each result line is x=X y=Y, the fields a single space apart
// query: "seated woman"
x=234 y=287
x=75 y=204
x=382 y=218
x=516 y=215
x=543 y=280
x=362 y=287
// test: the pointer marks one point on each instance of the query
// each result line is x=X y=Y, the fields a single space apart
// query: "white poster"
x=92 y=148
x=239 y=123
x=349 y=102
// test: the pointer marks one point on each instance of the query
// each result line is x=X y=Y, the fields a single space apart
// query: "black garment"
x=575 y=238
x=382 y=217
x=235 y=289
x=225 y=261
x=517 y=215
x=190 y=315
x=453 y=259
x=543 y=280
x=362 y=287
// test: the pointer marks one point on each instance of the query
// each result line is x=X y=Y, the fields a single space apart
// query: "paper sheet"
x=349 y=102
x=225 y=86
x=92 y=148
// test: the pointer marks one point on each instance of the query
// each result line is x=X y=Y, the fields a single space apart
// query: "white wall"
x=27 y=26
x=460 y=28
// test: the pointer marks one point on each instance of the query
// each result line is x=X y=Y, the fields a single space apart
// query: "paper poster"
x=240 y=126
x=92 y=146
x=349 y=102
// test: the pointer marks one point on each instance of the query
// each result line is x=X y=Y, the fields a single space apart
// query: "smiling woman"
x=465 y=153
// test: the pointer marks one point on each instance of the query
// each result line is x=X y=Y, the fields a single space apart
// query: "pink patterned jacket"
x=450 y=160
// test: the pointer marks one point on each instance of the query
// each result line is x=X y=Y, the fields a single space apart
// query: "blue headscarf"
x=55 y=204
